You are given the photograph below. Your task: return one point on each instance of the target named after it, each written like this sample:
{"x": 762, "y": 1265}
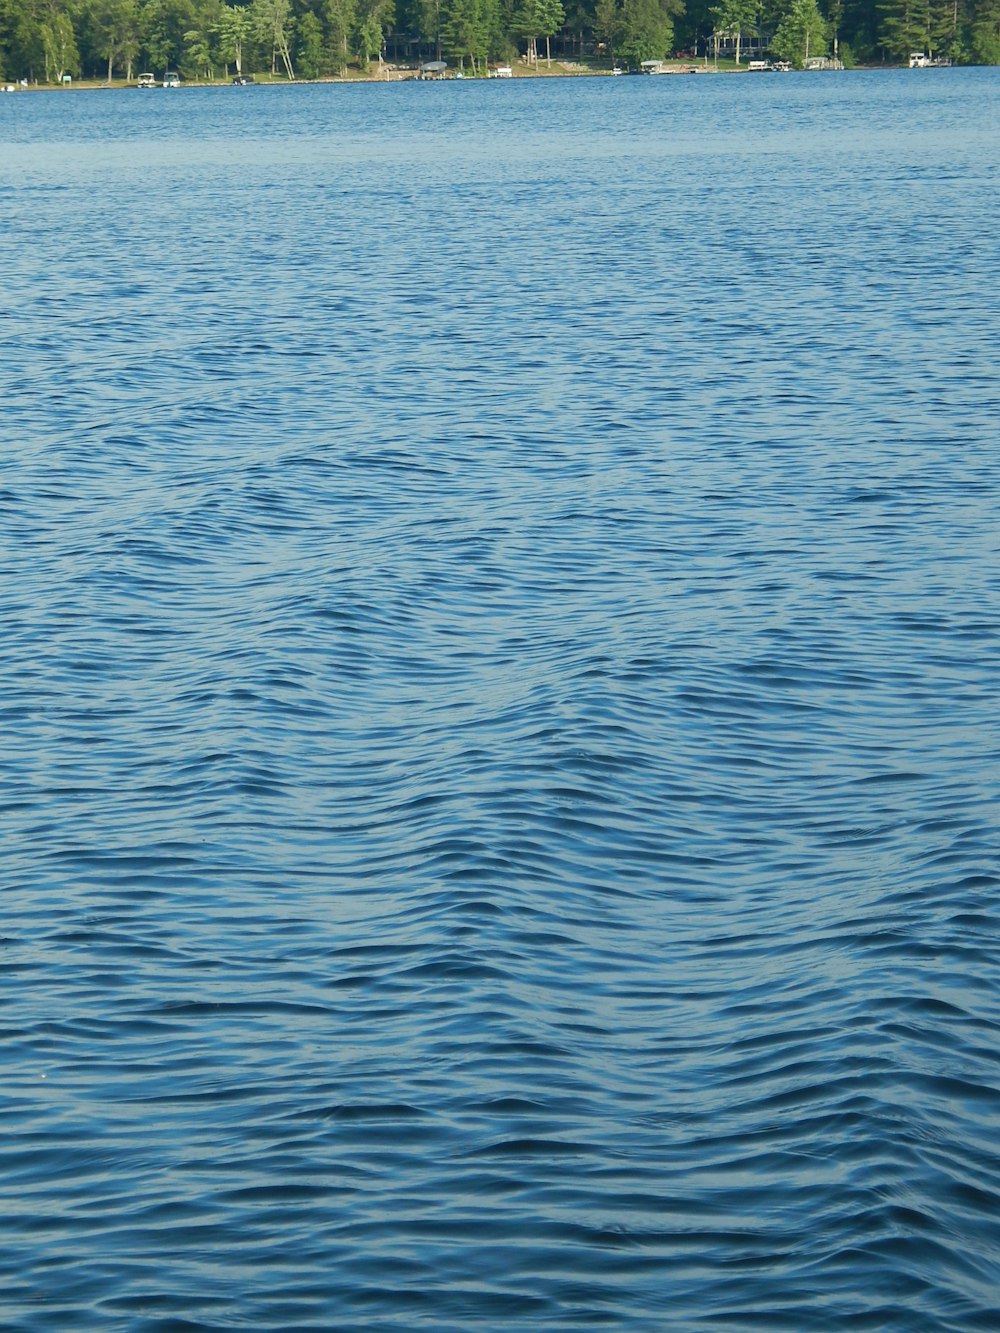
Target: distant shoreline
{"x": 389, "y": 73}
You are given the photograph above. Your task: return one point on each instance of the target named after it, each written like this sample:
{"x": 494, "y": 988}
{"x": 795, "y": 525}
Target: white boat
{"x": 920, "y": 60}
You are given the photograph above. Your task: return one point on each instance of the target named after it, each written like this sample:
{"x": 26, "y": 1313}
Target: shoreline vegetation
{"x": 116, "y": 43}
{"x": 387, "y": 72}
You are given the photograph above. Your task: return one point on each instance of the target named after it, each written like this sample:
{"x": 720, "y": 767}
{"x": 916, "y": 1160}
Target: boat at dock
{"x": 920, "y": 60}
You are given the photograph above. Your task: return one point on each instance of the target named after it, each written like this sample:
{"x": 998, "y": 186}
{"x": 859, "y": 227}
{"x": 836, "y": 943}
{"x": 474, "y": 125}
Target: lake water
{"x": 499, "y": 702}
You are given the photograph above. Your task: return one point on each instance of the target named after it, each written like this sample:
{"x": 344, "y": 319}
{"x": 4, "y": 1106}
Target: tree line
{"x": 43, "y": 41}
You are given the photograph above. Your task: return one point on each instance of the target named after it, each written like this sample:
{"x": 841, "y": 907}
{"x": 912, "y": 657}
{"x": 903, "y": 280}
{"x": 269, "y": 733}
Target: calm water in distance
{"x": 498, "y": 706}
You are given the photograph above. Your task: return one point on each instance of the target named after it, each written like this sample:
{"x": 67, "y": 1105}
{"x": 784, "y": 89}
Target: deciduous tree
{"x": 233, "y": 30}
{"x": 608, "y": 24}
{"x": 372, "y": 19}
{"x": 800, "y": 33}
{"x": 735, "y": 17}
{"x": 647, "y": 29}
{"x": 309, "y": 46}
{"x": 59, "y": 48}
{"x": 270, "y": 20}
{"x": 341, "y": 17}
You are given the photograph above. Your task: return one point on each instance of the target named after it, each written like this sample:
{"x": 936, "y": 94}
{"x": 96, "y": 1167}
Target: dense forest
{"x": 44, "y": 41}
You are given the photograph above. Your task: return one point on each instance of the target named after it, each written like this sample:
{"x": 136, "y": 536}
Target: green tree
{"x": 800, "y": 34}
{"x": 198, "y": 51}
{"x": 372, "y": 19}
{"x": 115, "y": 30}
{"x": 429, "y": 24}
{"x": 579, "y": 17}
{"x": 341, "y": 17}
{"x": 270, "y": 20}
{"x": 21, "y": 31}
{"x": 59, "y": 48}
{"x": 608, "y": 24}
{"x": 945, "y": 28}
{"x": 834, "y": 18}
{"x": 647, "y": 29}
{"x": 735, "y": 17}
{"x": 905, "y": 27}
{"x": 463, "y": 32}
{"x": 985, "y": 32}
{"x": 860, "y": 27}
{"x": 233, "y": 31}
{"x": 534, "y": 19}
{"x": 527, "y": 24}
{"x": 309, "y": 46}
{"x": 553, "y": 16}
{"x": 200, "y": 41}
{"x": 164, "y": 23}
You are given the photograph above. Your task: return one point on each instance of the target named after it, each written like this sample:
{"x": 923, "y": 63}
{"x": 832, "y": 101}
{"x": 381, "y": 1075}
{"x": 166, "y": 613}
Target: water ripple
{"x": 500, "y": 657}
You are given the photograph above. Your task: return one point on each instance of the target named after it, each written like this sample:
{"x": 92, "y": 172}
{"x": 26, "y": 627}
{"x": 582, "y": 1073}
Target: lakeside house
{"x": 751, "y": 41}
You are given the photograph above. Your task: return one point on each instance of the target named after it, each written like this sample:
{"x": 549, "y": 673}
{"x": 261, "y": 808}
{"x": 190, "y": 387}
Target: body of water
{"x": 499, "y": 674}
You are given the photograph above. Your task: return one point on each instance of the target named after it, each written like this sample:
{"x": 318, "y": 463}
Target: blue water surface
{"x": 499, "y": 706}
